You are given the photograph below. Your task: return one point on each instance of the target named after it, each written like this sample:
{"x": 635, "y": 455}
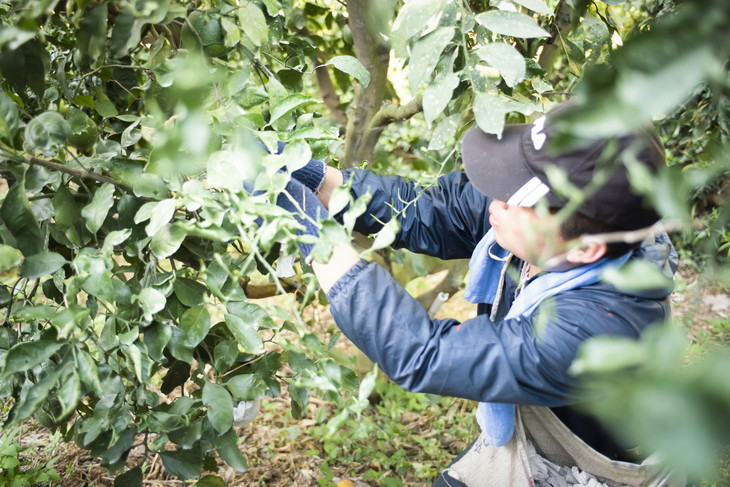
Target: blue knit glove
{"x": 312, "y": 175}
{"x": 305, "y": 208}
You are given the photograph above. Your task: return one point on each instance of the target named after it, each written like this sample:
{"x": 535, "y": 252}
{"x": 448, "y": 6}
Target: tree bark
{"x": 329, "y": 95}
{"x": 450, "y": 284}
{"x": 374, "y": 53}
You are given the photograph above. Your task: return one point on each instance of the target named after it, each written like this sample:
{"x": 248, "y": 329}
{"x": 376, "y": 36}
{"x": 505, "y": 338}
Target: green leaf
{"x": 253, "y": 23}
{"x": 131, "y": 134}
{"x": 637, "y": 275}
{"x": 66, "y": 210}
{"x": 9, "y": 118}
{"x": 296, "y": 155}
{"x": 176, "y": 375}
{"x": 168, "y": 239}
{"x": 37, "y": 394}
{"x": 228, "y": 448}
{"x": 224, "y": 355}
{"x": 46, "y": 131}
{"x": 149, "y": 185}
{"x": 367, "y": 384}
{"x": 537, "y": 6}
{"x": 68, "y": 393}
{"x": 425, "y": 56}
{"x": 9, "y": 257}
{"x": 639, "y": 95}
{"x": 18, "y": 218}
{"x": 506, "y": 59}
{"x": 151, "y": 301}
{"x": 161, "y": 215}
{"x": 13, "y": 38}
{"x": 185, "y": 464}
{"x": 386, "y": 235}
{"x": 232, "y": 32}
{"x": 125, "y": 34}
{"x": 437, "y": 97}
{"x": 352, "y": 66}
{"x": 219, "y": 406}
{"x": 134, "y": 354}
{"x": 489, "y": 111}
{"x": 156, "y": 338}
{"x": 211, "y": 481}
{"x": 41, "y": 263}
{"x": 246, "y": 387}
{"x": 25, "y": 67}
{"x": 131, "y": 478}
{"x": 228, "y": 170}
{"x": 103, "y": 105}
{"x": 87, "y": 370}
{"x": 159, "y": 53}
{"x": 606, "y": 355}
{"x": 31, "y": 313}
{"x": 195, "y": 322}
{"x": 189, "y": 292}
{"x": 289, "y": 104}
{"x": 339, "y": 199}
{"x": 91, "y": 36}
{"x": 95, "y": 212}
{"x": 595, "y": 30}
{"x": 245, "y": 334}
{"x": 444, "y": 131}
{"x": 513, "y": 24}
{"x": 101, "y": 286}
{"x": 113, "y": 453}
{"x": 412, "y": 18}
{"x": 26, "y": 355}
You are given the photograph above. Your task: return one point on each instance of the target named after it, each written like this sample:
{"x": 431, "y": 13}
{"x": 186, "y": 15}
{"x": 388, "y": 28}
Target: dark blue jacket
{"x": 503, "y": 361}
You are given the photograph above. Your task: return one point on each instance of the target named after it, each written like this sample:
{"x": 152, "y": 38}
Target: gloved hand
{"x": 306, "y": 208}
{"x": 312, "y": 175}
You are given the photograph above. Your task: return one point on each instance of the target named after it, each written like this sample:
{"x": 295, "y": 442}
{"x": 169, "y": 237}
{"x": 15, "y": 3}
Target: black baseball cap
{"x": 513, "y": 168}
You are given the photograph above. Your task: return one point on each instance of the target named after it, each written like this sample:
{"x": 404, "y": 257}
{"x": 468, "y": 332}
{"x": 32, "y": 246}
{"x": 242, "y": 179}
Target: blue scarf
{"x": 487, "y": 266}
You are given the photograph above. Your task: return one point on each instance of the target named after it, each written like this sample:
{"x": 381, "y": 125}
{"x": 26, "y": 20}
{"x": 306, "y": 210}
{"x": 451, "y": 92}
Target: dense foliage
{"x": 131, "y": 253}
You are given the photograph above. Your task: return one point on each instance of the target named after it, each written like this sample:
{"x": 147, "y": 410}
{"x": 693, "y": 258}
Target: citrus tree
{"x": 139, "y": 146}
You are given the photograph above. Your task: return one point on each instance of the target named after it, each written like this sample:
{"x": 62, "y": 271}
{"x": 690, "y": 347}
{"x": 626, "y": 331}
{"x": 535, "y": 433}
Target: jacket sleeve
{"x": 447, "y": 220}
{"x": 476, "y": 359}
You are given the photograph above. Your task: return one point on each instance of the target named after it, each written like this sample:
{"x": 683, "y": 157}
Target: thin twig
{"x": 634, "y": 236}
{"x": 10, "y": 303}
{"x": 79, "y": 173}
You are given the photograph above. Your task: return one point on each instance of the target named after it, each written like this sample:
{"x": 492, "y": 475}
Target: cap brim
{"x": 496, "y": 167}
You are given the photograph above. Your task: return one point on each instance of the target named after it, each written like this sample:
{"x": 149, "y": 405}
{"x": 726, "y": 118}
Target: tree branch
{"x": 269, "y": 289}
{"x": 392, "y": 112}
{"x": 561, "y": 26}
{"x": 79, "y": 173}
{"x": 329, "y": 95}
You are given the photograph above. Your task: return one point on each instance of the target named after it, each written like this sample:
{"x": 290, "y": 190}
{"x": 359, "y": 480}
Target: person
{"x": 535, "y": 275}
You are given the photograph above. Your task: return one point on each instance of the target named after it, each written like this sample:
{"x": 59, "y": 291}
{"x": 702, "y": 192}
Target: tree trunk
{"x": 450, "y": 284}
{"x": 374, "y": 53}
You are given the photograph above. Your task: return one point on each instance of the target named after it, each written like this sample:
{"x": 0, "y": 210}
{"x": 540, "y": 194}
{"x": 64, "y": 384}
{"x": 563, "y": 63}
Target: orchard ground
{"x": 282, "y": 451}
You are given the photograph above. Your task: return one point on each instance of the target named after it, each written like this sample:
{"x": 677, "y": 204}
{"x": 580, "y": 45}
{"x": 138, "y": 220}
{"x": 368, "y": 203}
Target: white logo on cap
{"x": 538, "y": 138}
